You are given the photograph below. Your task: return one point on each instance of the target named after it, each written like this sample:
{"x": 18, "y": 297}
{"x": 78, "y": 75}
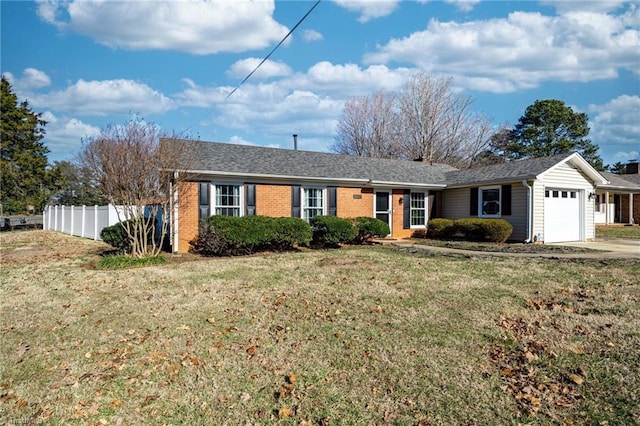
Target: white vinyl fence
{"x": 81, "y": 221}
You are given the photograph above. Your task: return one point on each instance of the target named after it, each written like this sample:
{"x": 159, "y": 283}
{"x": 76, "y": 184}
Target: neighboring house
{"x": 545, "y": 199}
{"x": 618, "y": 201}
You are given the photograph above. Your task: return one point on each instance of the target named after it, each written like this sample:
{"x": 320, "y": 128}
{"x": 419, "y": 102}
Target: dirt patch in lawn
{"x": 29, "y": 247}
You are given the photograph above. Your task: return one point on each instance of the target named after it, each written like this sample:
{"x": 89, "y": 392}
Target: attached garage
{"x": 562, "y": 216}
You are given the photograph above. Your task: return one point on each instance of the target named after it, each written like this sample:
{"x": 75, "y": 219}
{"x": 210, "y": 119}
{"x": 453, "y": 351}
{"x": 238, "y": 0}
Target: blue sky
{"x": 88, "y": 64}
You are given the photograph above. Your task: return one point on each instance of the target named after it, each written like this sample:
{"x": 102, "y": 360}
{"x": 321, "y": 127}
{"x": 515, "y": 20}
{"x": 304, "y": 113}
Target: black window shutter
{"x": 473, "y": 203}
{"x": 406, "y": 209}
{"x": 203, "y": 200}
{"x": 432, "y": 205}
{"x": 250, "y": 199}
{"x": 295, "y": 201}
{"x": 333, "y": 200}
{"x": 506, "y": 200}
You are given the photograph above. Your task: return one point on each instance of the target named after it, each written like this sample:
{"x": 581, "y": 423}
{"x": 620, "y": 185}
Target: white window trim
{"x": 426, "y": 209}
{"x": 213, "y": 199}
{"x": 303, "y": 200}
{"x": 480, "y": 201}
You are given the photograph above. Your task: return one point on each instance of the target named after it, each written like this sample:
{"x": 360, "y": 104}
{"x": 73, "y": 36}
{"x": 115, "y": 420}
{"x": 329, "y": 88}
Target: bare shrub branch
{"x": 132, "y": 164}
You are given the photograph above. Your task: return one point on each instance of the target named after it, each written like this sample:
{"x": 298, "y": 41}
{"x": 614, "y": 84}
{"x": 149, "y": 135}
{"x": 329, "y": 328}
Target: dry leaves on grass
{"x": 526, "y": 365}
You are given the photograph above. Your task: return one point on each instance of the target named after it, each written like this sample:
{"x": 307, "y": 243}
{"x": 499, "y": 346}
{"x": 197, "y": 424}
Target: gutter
{"x": 529, "y": 215}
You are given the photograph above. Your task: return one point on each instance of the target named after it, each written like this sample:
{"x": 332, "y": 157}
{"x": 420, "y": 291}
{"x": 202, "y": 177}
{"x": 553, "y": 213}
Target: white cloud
{"x": 351, "y": 79}
{"x": 463, "y": 5}
{"x": 240, "y": 69}
{"x": 31, "y": 79}
{"x": 625, "y": 156}
{"x": 105, "y": 97}
{"x": 311, "y": 35}
{"x": 199, "y": 27}
{"x": 369, "y": 9}
{"x": 617, "y": 121}
{"x": 521, "y": 51}
{"x": 64, "y": 135}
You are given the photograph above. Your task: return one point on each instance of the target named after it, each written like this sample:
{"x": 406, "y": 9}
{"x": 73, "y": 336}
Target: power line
{"x": 266, "y": 57}
{"x": 274, "y": 49}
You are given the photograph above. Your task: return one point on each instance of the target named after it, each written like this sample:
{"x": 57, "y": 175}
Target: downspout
{"x": 529, "y": 204}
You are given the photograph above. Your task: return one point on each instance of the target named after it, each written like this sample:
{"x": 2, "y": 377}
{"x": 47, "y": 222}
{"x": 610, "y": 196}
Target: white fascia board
{"x": 380, "y": 184}
{"x": 271, "y": 178}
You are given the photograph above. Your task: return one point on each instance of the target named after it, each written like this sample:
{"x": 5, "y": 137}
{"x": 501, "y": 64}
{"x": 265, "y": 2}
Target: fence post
{"x": 95, "y": 222}
{"x": 84, "y": 218}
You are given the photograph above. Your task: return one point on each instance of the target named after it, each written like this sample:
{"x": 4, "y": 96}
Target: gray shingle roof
{"x": 509, "y": 171}
{"x": 249, "y": 160}
{"x": 624, "y": 182}
{"x": 257, "y": 160}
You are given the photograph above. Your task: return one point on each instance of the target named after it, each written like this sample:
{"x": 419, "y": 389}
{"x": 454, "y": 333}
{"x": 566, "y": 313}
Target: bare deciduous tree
{"x": 132, "y": 166}
{"x": 368, "y": 127}
{"x": 427, "y": 119}
{"x": 438, "y": 123}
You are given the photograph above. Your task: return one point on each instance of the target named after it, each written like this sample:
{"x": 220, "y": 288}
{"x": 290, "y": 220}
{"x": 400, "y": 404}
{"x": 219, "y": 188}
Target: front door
{"x": 383, "y": 206}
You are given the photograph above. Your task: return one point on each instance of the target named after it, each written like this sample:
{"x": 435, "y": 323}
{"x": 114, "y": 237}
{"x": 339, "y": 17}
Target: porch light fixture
{"x": 400, "y": 200}
{"x": 592, "y": 195}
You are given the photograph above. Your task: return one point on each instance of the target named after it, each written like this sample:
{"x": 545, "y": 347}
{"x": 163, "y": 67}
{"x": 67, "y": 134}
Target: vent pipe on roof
{"x": 295, "y": 142}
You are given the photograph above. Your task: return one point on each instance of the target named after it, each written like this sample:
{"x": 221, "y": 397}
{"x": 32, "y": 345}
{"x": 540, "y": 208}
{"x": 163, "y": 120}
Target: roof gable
{"x": 532, "y": 168}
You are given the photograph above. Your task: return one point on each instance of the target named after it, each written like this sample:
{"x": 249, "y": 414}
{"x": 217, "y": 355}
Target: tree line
{"x": 427, "y": 119}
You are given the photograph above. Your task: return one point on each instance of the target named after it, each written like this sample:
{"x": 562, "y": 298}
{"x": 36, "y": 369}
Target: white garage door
{"x": 561, "y": 215}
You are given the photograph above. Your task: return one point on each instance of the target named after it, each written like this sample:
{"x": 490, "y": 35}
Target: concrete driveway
{"x": 624, "y": 247}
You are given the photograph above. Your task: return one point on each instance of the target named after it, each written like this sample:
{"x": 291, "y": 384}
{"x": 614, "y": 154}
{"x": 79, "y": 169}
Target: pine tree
{"x": 23, "y": 161}
{"x": 550, "y": 127}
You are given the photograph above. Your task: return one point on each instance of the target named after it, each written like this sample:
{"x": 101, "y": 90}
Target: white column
{"x": 606, "y": 205}
{"x": 630, "y": 208}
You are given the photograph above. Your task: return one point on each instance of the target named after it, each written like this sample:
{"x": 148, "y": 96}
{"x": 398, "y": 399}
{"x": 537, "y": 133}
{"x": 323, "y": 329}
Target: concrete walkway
{"x": 611, "y": 249}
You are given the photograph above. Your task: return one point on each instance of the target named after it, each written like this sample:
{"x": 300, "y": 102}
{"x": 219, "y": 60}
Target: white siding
{"x": 455, "y": 203}
{"x": 565, "y": 176}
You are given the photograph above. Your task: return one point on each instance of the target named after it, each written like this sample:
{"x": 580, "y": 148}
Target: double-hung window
{"x": 418, "y": 209}
{"x": 227, "y": 200}
{"x": 489, "y": 202}
{"x": 313, "y": 202}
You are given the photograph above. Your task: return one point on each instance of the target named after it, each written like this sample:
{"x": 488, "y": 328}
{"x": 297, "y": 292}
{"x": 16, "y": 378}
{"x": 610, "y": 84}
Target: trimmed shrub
{"x": 330, "y": 231}
{"x": 233, "y": 236}
{"x": 497, "y": 230}
{"x": 116, "y": 237}
{"x": 207, "y": 243}
{"x": 290, "y": 231}
{"x": 471, "y": 228}
{"x": 368, "y": 228}
{"x": 440, "y": 228}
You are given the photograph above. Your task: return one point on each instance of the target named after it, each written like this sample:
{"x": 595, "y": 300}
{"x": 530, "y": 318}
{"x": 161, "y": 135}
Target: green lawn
{"x": 618, "y": 231}
{"x": 352, "y": 336}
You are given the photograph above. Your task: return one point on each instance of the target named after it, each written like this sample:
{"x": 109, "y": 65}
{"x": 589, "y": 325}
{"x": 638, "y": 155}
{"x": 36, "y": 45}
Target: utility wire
{"x": 266, "y": 57}
{"x": 274, "y": 49}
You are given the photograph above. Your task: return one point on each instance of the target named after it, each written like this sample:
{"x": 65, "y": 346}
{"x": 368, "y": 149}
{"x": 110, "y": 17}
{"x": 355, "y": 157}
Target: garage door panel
{"x": 561, "y": 215}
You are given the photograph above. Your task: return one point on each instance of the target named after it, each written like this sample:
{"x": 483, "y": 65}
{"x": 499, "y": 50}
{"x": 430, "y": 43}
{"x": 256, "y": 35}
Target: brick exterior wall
{"x": 273, "y": 200}
{"x": 188, "y": 219}
{"x": 397, "y": 217}
{"x": 354, "y": 202}
{"x": 624, "y": 208}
